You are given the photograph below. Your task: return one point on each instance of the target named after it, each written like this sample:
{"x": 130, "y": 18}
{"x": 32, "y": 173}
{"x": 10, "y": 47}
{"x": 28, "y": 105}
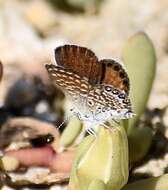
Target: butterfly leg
{"x": 65, "y": 120}
{"x": 90, "y": 131}
{"x": 115, "y": 121}
{"x": 106, "y": 126}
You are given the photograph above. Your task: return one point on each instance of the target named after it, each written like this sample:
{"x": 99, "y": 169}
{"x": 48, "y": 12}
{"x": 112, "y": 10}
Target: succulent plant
{"x": 100, "y": 161}
{"x": 140, "y": 60}
{"x": 71, "y": 132}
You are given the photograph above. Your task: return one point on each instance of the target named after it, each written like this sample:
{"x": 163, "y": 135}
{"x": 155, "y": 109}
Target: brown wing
{"x": 79, "y": 60}
{"x": 114, "y": 74}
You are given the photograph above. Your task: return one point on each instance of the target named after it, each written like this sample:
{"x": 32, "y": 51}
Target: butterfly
{"x": 97, "y": 89}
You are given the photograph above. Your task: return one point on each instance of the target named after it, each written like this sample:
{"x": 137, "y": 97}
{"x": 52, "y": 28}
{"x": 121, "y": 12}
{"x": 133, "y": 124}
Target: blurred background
{"x": 30, "y": 30}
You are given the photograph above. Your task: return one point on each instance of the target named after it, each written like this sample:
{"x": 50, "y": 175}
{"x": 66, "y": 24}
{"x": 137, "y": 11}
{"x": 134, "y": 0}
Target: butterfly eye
{"x": 108, "y": 88}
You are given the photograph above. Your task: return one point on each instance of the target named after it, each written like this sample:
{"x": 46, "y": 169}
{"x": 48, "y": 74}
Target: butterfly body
{"x": 97, "y": 90}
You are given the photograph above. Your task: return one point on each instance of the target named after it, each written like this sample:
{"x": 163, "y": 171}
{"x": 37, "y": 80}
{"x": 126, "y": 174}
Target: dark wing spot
{"x": 126, "y": 101}
{"x": 122, "y": 96}
{"x": 122, "y": 75}
{"x": 116, "y": 67}
{"x": 125, "y": 82}
{"x": 115, "y": 91}
{"x": 90, "y": 102}
{"x": 108, "y": 88}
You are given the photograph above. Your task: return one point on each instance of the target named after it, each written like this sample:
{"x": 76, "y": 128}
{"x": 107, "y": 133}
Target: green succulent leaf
{"x": 103, "y": 158}
{"x": 71, "y": 132}
{"x": 140, "y": 60}
{"x": 97, "y": 185}
{"x": 82, "y": 149}
{"x": 139, "y": 141}
{"x": 154, "y": 183}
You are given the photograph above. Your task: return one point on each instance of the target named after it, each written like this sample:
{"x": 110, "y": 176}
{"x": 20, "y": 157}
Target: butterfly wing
{"x": 114, "y": 75}
{"x": 96, "y": 87}
{"x": 74, "y": 87}
{"x": 110, "y": 102}
{"x": 79, "y": 60}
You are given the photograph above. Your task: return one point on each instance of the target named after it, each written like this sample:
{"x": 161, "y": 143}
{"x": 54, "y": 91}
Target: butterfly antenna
{"x": 90, "y": 131}
{"x": 64, "y": 121}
